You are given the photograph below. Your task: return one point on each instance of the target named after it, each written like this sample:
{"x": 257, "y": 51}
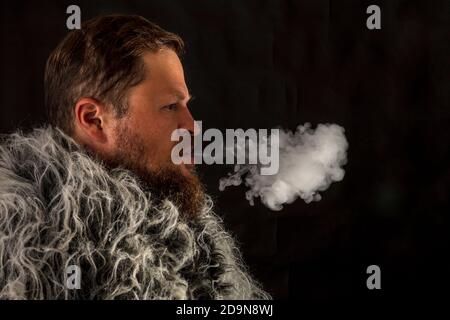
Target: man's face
{"x": 157, "y": 107}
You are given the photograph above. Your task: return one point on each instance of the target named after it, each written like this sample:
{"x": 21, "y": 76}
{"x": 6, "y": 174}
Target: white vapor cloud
{"x": 309, "y": 161}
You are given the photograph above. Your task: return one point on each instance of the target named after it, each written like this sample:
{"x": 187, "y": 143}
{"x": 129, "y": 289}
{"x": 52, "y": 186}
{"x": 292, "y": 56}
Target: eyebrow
{"x": 181, "y": 96}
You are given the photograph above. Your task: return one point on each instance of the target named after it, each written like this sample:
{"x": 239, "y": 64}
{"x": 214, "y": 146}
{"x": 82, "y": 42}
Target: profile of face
{"x": 141, "y": 139}
{"x": 156, "y": 107}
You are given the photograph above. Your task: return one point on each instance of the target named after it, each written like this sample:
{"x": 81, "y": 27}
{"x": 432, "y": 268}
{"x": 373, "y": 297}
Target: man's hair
{"x": 102, "y": 60}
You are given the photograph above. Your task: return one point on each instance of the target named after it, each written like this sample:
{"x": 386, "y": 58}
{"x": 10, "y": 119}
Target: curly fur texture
{"x": 60, "y": 207}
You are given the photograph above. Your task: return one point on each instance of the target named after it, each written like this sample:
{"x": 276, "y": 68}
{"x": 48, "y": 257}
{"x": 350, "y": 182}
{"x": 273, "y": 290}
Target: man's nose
{"x": 187, "y": 121}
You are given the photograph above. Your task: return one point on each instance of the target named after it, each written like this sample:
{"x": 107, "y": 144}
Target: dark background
{"x": 266, "y": 63}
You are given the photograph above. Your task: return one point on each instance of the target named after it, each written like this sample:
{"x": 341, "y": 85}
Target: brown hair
{"x": 102, "y": 60}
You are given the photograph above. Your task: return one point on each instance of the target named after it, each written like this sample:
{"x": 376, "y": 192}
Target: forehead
{"x": 164, "y": 73}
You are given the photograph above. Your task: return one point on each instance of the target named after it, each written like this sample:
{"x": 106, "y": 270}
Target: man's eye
{"x": 172, "y": 106}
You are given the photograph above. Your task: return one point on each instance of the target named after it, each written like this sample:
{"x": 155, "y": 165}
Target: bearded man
{"x": 96, "y": 188}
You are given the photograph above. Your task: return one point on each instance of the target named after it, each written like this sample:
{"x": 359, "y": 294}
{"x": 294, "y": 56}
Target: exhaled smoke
{"x": 309, "y": 161}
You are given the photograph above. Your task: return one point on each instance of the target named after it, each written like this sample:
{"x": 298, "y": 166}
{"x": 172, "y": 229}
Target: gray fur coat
{"x": 59, "y": 207}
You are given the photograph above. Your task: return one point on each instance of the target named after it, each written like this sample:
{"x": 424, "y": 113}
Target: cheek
{"x": 155, "y": 130}
{"x": 158, "y": 141}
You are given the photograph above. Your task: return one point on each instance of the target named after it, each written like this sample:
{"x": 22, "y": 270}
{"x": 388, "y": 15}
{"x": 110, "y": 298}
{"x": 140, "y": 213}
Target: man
{"x": 96, "y": 191}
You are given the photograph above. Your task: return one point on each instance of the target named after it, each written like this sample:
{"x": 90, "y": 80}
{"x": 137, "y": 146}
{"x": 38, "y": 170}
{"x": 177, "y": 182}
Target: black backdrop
{"x": 266, "y": 63}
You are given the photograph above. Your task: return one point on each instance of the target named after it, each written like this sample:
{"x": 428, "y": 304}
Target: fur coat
{"x": 59, "y": 207}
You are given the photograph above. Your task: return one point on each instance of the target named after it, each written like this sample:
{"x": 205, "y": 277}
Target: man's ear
{"x": 90, "y": 120}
